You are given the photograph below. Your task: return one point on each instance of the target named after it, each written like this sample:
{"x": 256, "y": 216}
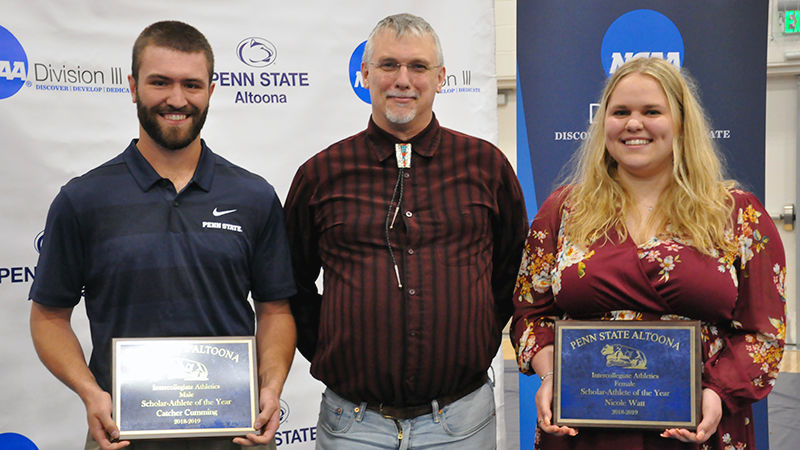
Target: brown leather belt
{"x": 409, "y": 412}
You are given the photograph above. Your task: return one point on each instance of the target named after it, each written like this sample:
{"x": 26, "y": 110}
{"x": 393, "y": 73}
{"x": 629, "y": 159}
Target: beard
{"x": 402, "y": 115}
{"x": 400, "y": 118}
{"x": 171, "y": 138}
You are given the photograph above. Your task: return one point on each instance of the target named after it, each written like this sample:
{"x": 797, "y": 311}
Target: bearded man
{"x": 138, "y": 237}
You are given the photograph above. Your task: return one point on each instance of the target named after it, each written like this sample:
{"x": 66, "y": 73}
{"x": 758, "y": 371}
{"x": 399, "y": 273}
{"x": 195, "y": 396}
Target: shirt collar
{"x": 382, "y": 142}
{"x": 146, "y": 177}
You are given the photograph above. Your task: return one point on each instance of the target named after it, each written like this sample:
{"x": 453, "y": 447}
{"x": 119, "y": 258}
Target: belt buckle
{"x": 385, "y": 415}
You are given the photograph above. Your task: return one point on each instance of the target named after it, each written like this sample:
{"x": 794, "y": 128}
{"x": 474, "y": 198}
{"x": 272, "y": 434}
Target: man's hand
{"x": 101, "y": 426}
{"x": 275, "y": 339}
{"x": 60, "y": 351}
{"x": 712, "y": 414}
{"x": 267, "y": 421}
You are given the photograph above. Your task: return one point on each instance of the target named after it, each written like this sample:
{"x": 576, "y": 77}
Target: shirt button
{"x": 412, "y": 291}
{"x": 406, "y": 175}
{"x": 411, "y": 251}
{"x": 176, "y": 203}
{"x": 409, "y": 214}
{"x": 412, "y": 333}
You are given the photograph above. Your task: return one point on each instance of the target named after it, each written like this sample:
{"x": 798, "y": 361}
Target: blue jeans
{"x": 467, "y": 423}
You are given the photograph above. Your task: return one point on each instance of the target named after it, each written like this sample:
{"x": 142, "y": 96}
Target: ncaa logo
{"x": 13, "y": 64}
{"x": 37, "y": 242}
{"x": 641, "y": 33}
{"x": 256, "y": 52}
{"x": 16, "y": 441}
{"x": 356, "y": 80}
{"x": 284, "y": 411}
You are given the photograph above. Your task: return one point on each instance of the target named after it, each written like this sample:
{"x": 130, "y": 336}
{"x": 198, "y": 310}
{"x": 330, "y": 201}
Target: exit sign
{"x": 791, "y": 22}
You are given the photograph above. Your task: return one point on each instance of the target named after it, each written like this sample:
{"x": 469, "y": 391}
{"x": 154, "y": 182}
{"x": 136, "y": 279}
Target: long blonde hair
{"x": 697, "y": 205}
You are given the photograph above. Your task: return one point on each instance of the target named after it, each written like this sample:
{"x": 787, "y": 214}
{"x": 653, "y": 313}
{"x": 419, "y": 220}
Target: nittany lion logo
{"x": 256, "y": 52}
{"x": 187, "y": 370}
{"x": 623, "y": 356}
{"x": 284, "y": 411}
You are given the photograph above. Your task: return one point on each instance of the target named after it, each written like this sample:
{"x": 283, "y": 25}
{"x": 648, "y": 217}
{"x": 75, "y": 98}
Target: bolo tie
{"x": 402, "y": 153}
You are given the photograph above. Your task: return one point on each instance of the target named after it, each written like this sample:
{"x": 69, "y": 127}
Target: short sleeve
{"x": 60, "y": 270}
{"x": 272, "y": 266}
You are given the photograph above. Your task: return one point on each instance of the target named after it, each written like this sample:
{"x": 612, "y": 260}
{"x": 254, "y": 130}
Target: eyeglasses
{"x": 394, "y": 67}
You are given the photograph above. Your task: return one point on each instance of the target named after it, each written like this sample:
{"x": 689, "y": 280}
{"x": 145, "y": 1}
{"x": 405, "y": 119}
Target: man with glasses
{"x": 419, "y": 230}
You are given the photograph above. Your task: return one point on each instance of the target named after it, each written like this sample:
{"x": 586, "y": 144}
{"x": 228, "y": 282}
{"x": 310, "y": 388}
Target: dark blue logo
{"x": 37, "y": 242}
{"x": 641, "y": 33}
{"x": 256, "y": 52}
{"x": 356, "y": 80}
{"x": 14, "y": 441}
{"x": 13, "y": 64}
{"x": 284, "y": 411}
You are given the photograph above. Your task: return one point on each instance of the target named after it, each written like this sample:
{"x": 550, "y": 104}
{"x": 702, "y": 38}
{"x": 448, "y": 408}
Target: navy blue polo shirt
{"x": 154, "y": 262}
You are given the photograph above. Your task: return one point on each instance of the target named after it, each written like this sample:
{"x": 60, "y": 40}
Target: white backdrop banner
{"x": 287, "y": 86}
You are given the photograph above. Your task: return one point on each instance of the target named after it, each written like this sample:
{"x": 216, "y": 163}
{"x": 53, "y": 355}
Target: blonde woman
{"x": 647, "y": 228}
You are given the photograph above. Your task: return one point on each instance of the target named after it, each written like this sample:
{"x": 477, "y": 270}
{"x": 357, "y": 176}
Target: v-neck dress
{"x": 738, "y": 297}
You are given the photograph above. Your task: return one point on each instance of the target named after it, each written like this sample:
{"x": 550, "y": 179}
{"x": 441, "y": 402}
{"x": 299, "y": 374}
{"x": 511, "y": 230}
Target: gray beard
{"x": 399, "y": 119}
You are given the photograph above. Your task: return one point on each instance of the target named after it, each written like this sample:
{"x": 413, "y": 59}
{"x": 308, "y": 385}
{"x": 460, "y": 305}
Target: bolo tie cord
{"x": 391, "y": 216}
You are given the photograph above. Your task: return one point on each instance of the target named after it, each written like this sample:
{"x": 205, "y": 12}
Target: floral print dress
{"x": 738, "y": 297}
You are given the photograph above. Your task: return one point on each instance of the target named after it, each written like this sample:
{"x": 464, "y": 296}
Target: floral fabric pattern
{"x": 739, "y": 297}
{"x": 536, "y": 265}
{"x": 652, "y": 250}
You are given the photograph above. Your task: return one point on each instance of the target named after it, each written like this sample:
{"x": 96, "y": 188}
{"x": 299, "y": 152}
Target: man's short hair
{"x": 174, "y": 35}
{"x": 402, "y": 25}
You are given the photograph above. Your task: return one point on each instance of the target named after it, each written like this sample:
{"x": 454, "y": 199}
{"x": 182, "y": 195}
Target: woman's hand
{"x": 712, "y": 414}
{"x": 544, "y": 414}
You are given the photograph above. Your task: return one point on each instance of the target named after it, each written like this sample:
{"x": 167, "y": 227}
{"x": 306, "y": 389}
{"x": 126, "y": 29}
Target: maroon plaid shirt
{"x": 457, "y": 241}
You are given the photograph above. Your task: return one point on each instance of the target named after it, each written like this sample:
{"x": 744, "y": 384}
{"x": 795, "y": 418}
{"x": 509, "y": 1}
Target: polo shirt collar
{"x": 382, "y": 142}
{"x": 146, "y": 176}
